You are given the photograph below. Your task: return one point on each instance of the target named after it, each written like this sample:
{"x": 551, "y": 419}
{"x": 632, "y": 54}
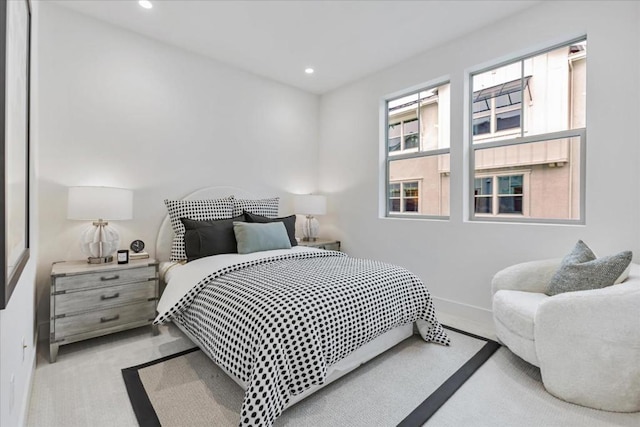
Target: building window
{"x": 417, "y": 153}
{"x": 498, "y": 108}
{"x": 530, "y": 113}
{"x": 404, "y": 135}
{"x": 499, "y": 195}
{"x": 404, "y": 197}
{"x": 510, "y": 194}
{"x": 484, "y": 195}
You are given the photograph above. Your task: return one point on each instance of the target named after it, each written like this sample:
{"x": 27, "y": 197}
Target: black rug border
{"x": 439, "y": 397}
{"x": 142, "y": 407}
{"x": 469, "y": 334}
{"x": 147, "y": 417}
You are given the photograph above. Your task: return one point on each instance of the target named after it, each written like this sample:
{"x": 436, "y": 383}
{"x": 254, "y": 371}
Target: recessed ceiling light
{"x": 309, "y": 70}
{"x": 145, "y": 3}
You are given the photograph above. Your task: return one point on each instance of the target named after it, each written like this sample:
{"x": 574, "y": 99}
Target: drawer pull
{"x": 114, "y": 277}
{"x": 109, "y": 319}
{"x": 104, "y": 297}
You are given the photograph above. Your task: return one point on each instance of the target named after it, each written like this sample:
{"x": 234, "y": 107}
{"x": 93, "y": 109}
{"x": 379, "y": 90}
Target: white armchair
{"x": 586, "y": 343}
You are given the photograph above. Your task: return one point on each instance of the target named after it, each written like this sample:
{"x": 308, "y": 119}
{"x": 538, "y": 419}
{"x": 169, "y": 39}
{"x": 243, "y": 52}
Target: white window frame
{"x": 407, "y": 154}
{"x": 581, "y": 133}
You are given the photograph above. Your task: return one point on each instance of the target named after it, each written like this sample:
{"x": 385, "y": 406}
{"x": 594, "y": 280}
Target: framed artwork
{"x": 15, "y": 42}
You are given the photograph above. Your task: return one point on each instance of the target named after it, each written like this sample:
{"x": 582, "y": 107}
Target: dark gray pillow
{"x": 289, "y": 224}
{"x": 210, "y": 237}
{"x": 580, "y": 270}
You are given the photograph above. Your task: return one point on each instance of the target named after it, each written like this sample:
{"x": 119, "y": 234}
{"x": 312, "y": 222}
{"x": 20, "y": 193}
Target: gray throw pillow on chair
{"x": 580, "y": 270}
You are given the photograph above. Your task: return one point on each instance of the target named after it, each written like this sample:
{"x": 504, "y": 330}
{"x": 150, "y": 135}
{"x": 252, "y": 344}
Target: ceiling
{"x": 342, "y": 40}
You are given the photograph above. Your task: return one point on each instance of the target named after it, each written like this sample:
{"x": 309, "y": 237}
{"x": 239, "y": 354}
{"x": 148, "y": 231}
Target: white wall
{"x": 123, "y": 110}
{"x": 457, "y": 258}
{"x": 17, "y": 320}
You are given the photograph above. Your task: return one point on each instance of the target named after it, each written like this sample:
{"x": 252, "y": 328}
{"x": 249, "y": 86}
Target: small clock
{"x": 137, "y": 246}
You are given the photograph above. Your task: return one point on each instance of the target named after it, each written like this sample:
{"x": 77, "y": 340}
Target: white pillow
{"x": 264, "y": 207}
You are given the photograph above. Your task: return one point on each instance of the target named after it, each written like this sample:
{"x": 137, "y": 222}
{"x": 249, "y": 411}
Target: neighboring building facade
{"x": 539, "y": 96}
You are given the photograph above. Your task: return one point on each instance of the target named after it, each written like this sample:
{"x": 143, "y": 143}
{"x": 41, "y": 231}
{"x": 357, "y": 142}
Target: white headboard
{"x": 165, "y": 234}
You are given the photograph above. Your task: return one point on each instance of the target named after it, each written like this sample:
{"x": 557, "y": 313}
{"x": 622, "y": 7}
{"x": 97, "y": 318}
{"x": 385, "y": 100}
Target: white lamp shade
{"x": 309, "y": 204}
{"x": 91, "y": 203}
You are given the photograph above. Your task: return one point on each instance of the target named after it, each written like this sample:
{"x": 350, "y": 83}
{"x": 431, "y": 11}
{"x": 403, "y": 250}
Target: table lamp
{"x": 99, "y": 241}
{"x": 309, "y": 205}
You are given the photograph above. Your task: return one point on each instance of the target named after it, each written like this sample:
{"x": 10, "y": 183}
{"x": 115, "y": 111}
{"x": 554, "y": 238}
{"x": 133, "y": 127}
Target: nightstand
{"x": 90, "y": 300}
{"x": 333, "y": 245}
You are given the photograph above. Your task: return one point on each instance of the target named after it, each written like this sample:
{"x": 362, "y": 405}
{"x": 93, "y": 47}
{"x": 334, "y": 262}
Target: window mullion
{"x": 496, "y": 195}
{"x": 522, "y": 98}
{"x": 571, "y": 133}
{"x": 493, "y": 123}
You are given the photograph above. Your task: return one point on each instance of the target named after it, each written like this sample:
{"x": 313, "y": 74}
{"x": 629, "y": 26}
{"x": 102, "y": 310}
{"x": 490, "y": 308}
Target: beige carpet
{"x": 191, "y": 390}
{"x": 507, "y": 391}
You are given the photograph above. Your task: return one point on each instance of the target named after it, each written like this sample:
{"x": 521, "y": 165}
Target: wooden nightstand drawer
{"x": 90, "y": 300}
{"x": 103, "y": 319}
{"x": 105, "y": 278}
{"x": 99, "y": 298}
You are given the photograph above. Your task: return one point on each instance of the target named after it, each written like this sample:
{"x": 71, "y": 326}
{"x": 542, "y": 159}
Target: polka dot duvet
{"x": 277, "y": 321}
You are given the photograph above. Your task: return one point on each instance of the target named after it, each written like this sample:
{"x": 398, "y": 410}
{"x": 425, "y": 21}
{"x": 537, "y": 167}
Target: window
{"x": 495, "y": 195}
{"x": 404, "y": 135}
{"x": 484, "y": 195}
{"x": 510, "y": 194}
{"x": 404, "y": 197}
{"x": 529, "y": 114}
{"x": 498, "y": 108}
{"x": 417, "y": 153}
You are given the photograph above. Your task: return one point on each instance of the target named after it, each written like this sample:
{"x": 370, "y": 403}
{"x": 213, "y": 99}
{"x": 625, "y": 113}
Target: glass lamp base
{"x": 99, "y": 242}
{"x": 310, "y": 229}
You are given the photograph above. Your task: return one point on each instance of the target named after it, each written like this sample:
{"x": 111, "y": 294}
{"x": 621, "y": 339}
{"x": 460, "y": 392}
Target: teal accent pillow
{"x": 256, "y": 237}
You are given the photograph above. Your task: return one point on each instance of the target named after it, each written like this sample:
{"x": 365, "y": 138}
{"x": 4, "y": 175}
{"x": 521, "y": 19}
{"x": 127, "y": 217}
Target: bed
{"x": 283, "y": 323}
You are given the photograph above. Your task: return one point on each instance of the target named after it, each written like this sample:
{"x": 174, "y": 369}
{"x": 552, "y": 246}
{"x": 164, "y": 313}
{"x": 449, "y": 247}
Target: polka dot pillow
{"x": 264, "y": 207}
{"x": 196, "y": 210}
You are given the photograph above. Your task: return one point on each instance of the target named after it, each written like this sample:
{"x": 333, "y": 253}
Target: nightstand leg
{"x": 53, "y": 352}
{"x": 155, "y": 330}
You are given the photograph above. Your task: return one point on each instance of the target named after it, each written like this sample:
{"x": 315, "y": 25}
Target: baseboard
{"x": 470, "y": 318}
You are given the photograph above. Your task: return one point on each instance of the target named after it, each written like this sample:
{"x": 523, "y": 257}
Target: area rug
{"x": 507, "y": 391}
{"x": 404, "y": 386}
